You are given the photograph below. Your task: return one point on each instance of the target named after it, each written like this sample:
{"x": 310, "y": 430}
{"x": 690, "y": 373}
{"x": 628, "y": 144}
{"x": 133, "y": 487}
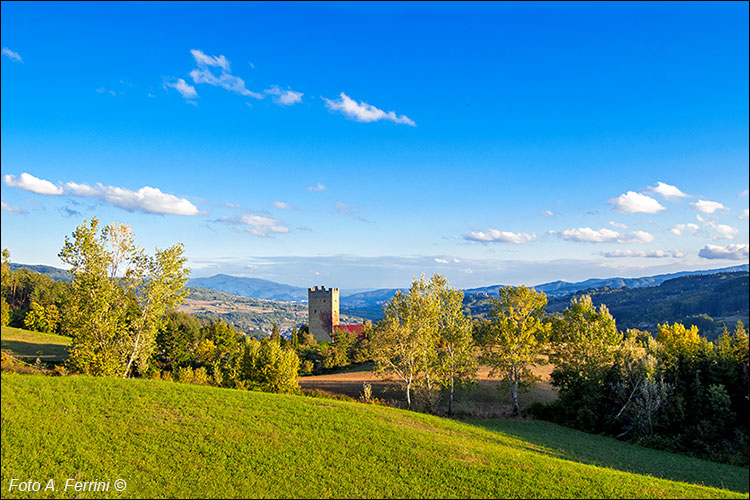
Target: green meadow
{"x": 28, "y": 345}
{"x": 174, "y": 440}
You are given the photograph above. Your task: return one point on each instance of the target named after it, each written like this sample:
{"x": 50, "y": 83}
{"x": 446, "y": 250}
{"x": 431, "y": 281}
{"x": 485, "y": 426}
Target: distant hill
{"x": 259, "y": 288}
{"x": 53, "y": 272}
{"x": 708, "y": 301}
{"x": 563, "y": 288}
{"x": 368, "y": 305}
{"x": 356, "y": 298}
{"x": 251, "y": 287}
{"x": 248, "y": 314}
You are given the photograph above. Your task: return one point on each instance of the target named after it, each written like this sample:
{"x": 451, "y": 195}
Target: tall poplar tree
{"x": 455, "y": 361}
{"x": 408, "y": 328}
{"x": 515, "y": 337}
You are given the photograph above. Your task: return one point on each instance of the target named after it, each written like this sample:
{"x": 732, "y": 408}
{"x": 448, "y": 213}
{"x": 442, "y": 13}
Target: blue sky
{"x": 358, "y": 145}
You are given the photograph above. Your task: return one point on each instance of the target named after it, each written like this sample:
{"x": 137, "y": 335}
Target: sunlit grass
{"x": 28, "y": 345}
{"x": 174, "y": 440}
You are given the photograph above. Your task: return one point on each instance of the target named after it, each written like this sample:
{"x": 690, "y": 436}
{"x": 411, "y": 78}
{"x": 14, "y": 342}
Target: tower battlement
{"x": 321, "y": 289}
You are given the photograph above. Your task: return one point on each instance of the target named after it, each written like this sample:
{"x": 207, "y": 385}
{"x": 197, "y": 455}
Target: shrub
{"x": 269, "y": 367}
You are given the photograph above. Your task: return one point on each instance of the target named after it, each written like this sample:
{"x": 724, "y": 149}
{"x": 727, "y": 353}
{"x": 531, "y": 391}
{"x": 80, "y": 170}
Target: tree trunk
{"x": 514, "y": 392}
{"x": 450, "y": 401}
{"x": 408, "y": 394}
{"x": 132, "y": 356}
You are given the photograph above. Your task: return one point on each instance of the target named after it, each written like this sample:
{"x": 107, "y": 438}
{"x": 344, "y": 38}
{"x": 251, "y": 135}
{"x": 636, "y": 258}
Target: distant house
{"x": 358, "y": 329}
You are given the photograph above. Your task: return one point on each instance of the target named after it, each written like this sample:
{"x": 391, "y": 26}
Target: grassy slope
{"x": 29, "y": 345}
{"x": 174, "y": 440}
{"x": 603, "y": 451}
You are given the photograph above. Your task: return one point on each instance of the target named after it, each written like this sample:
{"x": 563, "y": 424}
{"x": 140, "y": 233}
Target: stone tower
{"x": 322, "y": 311}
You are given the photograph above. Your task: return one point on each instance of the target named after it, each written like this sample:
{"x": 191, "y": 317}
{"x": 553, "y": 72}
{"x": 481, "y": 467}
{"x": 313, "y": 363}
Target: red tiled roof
{"x": 350, "y": 328}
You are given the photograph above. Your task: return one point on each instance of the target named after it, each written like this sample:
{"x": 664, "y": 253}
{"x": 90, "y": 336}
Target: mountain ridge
{"x": 266, "y": 289}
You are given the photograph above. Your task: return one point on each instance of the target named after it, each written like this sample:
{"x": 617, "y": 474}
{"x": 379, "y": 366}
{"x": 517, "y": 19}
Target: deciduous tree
{"x": 118, "y": 297}
{"x": 401, "y": 342}
{"x": 515, "y": 337}
{"x": 455, "y": 361}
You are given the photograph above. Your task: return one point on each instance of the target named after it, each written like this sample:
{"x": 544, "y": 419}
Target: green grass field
{"x": 172, "y": 440}
{"x": 27, "y": 345}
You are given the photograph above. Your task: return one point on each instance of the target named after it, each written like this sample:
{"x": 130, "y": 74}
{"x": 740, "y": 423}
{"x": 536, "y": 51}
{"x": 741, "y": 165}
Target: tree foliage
{"x": 677, "y": 392}
{"x": 424, "y": 337}
{"x": 269, "y": 367}
{"x": 515, "y": 337}
{"x": 455, "y": 362}
{"x": 118, "y": 298}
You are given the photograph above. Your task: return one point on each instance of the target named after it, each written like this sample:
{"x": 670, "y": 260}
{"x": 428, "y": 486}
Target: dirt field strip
{"x": 483, "y": 399}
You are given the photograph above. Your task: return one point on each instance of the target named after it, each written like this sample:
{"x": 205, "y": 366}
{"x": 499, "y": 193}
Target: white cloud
{"x": 586, "y": 234}
{"x": 363, "y": 112}
{"x": 319, "y": 187}
{"x": 80, "y": 189}
{"x": 441, "y": 261}
{"x": 282, "y": 205}
{"x": 12, "y": 209}
{"x": 456, "y": 261}
{"x": 185, "y": 89}
{"x": 202, "y": 59}
{"x": 651, "y": 254}
{"x": 632, "y": 202}
{"x": 28, "y": 182}
{"x": 603, "y": 235}
{"x": 683, "y": 228}
{"x": 640, "y": 237}
{"x": 146, "y": 199}
{"x": 708, "y": 207}
{"x": 258, "y": 225}
{"x": 284, "y": 97}
{"x": 744, "y": 193}
{"x": 730, "y": 252}
{"x": 548, "y": 213}
{"x": 745, "y": 214}
{"x": 726, "y": 232}
{"x": 15, "y": 56}
{"x": 225, "y": 80}
{"x": 496, "y": 236}
{"x": 668, "y": 191}
{"x": 618, "y": 224}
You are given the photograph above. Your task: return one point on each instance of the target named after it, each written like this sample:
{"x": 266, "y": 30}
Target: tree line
{"x": 677, "y": 391}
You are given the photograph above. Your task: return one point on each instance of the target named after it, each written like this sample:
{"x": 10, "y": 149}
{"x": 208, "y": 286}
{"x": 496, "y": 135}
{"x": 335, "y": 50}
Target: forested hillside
{"x": 251, "y": 287}
{"x": 706, "y": 301}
